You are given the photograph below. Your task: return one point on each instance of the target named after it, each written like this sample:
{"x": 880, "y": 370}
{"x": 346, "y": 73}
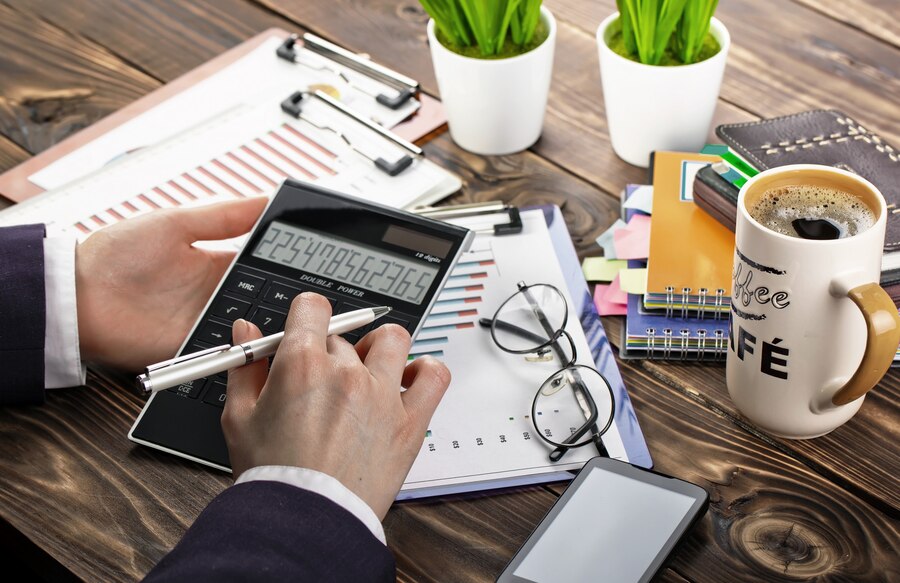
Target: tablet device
{"x": 615, "y": 522}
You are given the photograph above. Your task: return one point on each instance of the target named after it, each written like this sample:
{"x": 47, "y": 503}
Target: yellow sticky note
{"x": 633, "y": 281}
{"x": 602, "y": 269}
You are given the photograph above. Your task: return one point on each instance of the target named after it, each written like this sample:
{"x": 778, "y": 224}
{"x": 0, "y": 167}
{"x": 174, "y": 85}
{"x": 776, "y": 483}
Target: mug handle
{"x": 883, "y": 327}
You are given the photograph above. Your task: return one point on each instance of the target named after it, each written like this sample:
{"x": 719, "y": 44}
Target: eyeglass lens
{"x": 559, "y": 407}
{"x": 519, "y": 329}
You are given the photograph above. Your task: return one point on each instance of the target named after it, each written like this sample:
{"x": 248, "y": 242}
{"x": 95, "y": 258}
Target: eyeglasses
{"x": 565, "y": 415}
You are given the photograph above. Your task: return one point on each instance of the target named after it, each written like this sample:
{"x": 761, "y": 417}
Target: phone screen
{"x": 611, "y": 529}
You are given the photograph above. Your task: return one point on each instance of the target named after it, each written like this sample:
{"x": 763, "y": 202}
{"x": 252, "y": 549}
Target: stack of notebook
{"x": 684, "y": 313}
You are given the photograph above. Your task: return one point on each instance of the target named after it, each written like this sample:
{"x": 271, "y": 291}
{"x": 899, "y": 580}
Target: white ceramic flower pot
{"x": 659, "y": 108}
{"x": 495, "y": 106}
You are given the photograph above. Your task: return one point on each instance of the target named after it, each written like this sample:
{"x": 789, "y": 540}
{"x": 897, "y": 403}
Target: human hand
{"x": 332, "y": 407}
{"x": 140, "y": 284}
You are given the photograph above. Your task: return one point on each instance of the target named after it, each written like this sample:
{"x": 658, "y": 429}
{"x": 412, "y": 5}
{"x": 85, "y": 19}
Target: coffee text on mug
{"x": 745, "y": 293}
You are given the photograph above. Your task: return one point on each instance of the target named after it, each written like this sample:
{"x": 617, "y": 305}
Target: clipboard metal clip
{"x": 513, "y": 226}
{"x": 293, "y": 106}
{"x": 406, "y": 88}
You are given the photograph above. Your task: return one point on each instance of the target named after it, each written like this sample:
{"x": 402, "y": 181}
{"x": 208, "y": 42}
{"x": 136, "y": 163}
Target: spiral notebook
{"x": 680, "y": 335}
{"x": 691, "y": 254}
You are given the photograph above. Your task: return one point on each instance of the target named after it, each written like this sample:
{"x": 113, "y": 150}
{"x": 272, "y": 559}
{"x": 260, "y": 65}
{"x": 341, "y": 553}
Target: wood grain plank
{"x": 53, "y": 83}
{"x": 876, "y": 17}
{"x": 786, "y": 58}
{"x": 164, "y": 38}
{"x": 845, "y": 455}
{"x": 575, "y": 136}
{"x": 102, "y": 507}
{"x": 771, "y": 518}
{"x": 11, "y": 154}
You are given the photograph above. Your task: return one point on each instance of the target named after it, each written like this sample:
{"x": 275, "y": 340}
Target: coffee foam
{"x": 778, "y": 207}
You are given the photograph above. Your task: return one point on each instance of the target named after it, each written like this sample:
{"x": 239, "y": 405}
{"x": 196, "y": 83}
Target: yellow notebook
{"x": 691, "y": 254}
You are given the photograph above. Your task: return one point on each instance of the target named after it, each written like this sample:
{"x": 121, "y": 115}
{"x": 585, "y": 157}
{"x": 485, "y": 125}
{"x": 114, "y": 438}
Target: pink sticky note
{"x": 605, "y": 307}
{"x": 633, "y": 242}
{"x": 615, "y": 294}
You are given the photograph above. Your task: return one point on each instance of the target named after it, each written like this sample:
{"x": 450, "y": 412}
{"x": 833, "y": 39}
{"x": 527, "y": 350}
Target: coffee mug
{"x": 811, "y": 331}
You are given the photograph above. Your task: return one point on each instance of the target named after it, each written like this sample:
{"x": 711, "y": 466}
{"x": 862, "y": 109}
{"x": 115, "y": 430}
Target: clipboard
{"x": 16, "y": 185}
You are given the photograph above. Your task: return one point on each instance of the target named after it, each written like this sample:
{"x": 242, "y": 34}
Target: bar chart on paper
{"x": 482, "y": 435}
{"x": 247, "y": 151}
{"x": 457, "y": 309}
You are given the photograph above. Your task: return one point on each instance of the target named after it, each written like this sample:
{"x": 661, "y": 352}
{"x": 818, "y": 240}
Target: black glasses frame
{"x": 552, "y": 343}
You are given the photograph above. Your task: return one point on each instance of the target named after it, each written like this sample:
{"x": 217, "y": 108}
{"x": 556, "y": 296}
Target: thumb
{"x": 426, "y": 380}
{"x": 245, "y": 382}
{"x": 214, "y": 222}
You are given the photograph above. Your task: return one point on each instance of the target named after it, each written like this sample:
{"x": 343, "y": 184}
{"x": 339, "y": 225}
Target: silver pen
{"x": 183, "y": 369}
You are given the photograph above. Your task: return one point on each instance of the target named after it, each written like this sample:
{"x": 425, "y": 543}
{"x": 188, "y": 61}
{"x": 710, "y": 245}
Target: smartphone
{"x": 615, "y": 522}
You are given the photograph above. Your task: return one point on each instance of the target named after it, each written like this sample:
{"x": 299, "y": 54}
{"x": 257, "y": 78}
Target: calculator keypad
{"x": 263, "y": 299}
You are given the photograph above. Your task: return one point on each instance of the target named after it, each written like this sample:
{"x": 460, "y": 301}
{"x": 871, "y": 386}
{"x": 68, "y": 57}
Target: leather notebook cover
{"x": 716, "y": 196}
{"x": 826, "y": 137}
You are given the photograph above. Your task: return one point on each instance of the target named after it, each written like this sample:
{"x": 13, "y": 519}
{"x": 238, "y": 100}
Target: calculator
{"x": 356, "y": 253}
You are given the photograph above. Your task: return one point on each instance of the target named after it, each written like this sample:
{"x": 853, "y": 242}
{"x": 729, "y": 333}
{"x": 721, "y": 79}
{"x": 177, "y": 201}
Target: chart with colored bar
{"x": 247, "y": 151}
{"x": 481, "y": 436}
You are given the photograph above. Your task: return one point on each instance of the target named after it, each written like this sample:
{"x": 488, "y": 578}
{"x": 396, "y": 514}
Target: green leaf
{"x": 485, "y": 23}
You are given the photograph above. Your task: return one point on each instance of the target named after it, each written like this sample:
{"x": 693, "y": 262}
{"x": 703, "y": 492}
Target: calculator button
{"x": 392, "y": 320}
{"x": 189, "y": 389}
{"x": 244, "y": 284}
{"x": 268, "y": 320}
{"x": 214, "y": 333}
{"x": 281, "y": 295}
{"x": 230, "y": 309}
{"x": 216, "y": 394}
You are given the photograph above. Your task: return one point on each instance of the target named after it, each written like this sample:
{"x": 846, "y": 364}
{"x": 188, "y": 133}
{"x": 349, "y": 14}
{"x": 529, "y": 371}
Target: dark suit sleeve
{"x": 22, "y": 315}
{"x": 271, "y": 531}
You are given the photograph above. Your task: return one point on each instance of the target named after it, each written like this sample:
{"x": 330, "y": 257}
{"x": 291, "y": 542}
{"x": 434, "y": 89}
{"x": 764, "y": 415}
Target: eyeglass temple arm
{"x": 589, "y": 409}
{"x": 512, "y": 329}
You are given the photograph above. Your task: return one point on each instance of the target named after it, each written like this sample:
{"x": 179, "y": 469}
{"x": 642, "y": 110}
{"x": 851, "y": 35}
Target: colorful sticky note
{"x": 641, "y": 199}
{"x": 633, "y": 281}
{"x": 633, "y": 242}
{"x": 601, "y": 268}
{"x": 614, "y": 293}
{"x": 606, "y": 239}
{"x": 606, "y": 307}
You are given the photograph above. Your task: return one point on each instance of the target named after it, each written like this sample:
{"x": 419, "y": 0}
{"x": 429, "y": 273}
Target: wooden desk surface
{"x": 76, "y": 498}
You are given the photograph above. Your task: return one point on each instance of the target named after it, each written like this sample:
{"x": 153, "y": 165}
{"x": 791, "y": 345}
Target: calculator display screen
{"x": 353, "y": 264}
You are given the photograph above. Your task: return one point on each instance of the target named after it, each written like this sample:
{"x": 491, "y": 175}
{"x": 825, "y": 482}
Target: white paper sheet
{"x": 481, "y": 435}
{"x": 245, "y": 151}
{"x": 259, "y": 76}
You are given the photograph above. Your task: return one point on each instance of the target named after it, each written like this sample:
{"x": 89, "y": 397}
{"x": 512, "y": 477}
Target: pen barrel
{"x": 254, "y": 350}
{"x": 203, "y": 366}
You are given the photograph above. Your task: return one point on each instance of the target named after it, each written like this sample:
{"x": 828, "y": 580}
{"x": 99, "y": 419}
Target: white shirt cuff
{"x": 321, "y": 484}
{"x": 62, "y": 358}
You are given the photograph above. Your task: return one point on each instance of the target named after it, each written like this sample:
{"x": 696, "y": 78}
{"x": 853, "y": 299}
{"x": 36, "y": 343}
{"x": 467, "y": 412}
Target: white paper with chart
{"x": 246, "y": 151}
{"x": 481, "y": 435}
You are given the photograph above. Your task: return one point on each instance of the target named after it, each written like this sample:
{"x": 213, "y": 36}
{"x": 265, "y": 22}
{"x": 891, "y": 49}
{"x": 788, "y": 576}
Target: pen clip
{"x": 186, "y": 357}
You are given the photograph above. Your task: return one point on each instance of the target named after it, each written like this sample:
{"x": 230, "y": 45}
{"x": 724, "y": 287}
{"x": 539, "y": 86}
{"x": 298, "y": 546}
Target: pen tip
{"x": 381, "y": 311}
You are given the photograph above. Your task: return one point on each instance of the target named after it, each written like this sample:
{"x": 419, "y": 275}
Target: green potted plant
{"x": 493, "y": 60}
{"x": 661, "y": 67}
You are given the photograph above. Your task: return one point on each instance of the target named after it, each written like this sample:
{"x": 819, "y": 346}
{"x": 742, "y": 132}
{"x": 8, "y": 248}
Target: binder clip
{"x": 513, "y": 226}
{"x": 293, "y": 106}
{"x": 406, "y": 88}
